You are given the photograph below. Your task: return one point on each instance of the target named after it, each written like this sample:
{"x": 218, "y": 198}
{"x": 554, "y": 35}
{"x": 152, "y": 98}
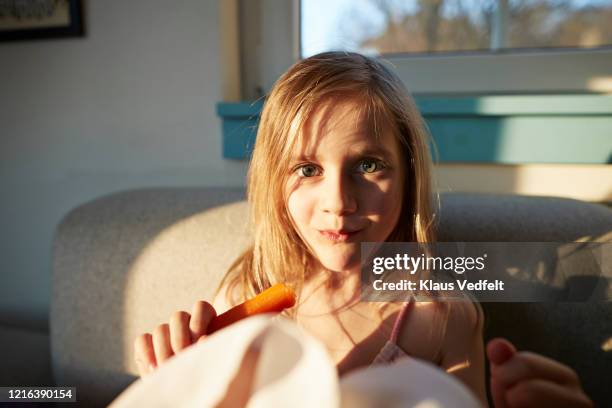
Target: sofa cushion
{"x": 122, "y": 264}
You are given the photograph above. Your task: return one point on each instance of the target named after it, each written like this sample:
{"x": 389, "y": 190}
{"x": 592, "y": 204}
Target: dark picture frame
{"x": 40, "y": 19}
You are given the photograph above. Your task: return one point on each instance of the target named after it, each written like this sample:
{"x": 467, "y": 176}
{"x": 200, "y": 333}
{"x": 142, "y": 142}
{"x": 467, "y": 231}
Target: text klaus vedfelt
{"x": 412, "y": 264}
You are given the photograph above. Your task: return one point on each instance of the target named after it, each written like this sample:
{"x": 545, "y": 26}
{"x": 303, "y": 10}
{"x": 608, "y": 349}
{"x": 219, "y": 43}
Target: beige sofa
{"x": 123, "y": 263}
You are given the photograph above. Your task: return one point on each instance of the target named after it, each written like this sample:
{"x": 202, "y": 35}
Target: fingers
{"x": 201, "y": 316}
{"x": 498, "y": 394}
{"x": 500, "y": 350}
{"x": 542, "y": 393}
{"x": 168, "y": 339}
{"x": 144, "y": 354}
{"x": 161, "y": 343}
{"x": 180, "y": 336}
{"x": 525, "y": 379}
{"x": 525, "y": 365}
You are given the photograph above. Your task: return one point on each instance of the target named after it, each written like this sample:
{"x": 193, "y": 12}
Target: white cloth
{"x": 292, "y": 369}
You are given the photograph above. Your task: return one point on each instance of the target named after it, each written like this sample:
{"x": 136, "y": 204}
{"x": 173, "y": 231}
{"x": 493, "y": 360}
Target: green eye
{"x": 370, "y": 165}
{"x": 307, "y": 170}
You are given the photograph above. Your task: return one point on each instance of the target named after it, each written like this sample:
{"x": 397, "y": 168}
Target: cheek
{"x": 299, "y": 207}
{"x": 383, "y": 199}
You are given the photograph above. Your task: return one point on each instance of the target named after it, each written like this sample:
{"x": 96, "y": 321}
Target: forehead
{"x": 347, "y": 123}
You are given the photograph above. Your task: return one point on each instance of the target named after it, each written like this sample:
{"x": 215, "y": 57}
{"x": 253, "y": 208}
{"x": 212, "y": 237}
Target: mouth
{"x": 338, "y": 236}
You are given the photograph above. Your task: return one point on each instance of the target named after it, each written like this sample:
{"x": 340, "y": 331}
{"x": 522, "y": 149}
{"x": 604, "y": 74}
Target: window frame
{"x": 526, "y": 70}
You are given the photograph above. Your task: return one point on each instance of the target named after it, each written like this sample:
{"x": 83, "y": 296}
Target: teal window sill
{"x": 481, "y": 129}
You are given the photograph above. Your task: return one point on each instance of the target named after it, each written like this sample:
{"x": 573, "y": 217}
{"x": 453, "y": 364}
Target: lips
{"x": 338, "y": 235}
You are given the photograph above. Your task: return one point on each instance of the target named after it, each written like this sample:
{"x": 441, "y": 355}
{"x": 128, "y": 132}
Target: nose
{"x": 338, "y": 195}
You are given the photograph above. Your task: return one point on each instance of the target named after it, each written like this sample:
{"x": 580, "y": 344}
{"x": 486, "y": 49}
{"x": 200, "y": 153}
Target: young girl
{"x": 342, "y": 157}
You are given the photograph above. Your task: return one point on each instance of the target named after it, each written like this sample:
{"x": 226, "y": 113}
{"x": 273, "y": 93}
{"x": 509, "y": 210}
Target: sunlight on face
{"x": 345, "y": 185}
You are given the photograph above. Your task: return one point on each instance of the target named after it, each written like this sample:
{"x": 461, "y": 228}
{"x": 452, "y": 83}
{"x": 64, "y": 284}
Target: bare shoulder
{"x": 448, "y": 334}
{"x": 421, "y": 333}
{"x": 463, "y": 348}
{"x": 466, "y": 317}
{"x": 433, "y": 327}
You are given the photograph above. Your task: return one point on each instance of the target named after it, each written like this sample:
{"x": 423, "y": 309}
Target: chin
{"x": 339, "y": 263}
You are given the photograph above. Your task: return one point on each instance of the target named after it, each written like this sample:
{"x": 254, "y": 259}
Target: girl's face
{"x": 345, "y": 186}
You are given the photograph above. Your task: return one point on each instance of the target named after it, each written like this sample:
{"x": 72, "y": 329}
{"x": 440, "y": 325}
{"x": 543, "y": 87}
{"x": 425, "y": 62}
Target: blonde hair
{"x": 278, "y": 254}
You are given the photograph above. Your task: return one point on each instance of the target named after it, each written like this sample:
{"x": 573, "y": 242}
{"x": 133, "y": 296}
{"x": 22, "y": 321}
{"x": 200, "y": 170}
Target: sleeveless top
{"x": 391, "y": 351}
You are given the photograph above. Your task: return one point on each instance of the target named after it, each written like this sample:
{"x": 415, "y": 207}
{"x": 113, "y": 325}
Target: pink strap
{"x": 400, "y": 318}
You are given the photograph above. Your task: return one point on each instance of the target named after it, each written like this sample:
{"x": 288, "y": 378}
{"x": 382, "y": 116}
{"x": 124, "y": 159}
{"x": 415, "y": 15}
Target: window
{"x": 275, "y": 34}
{"x": 388, "y": 27}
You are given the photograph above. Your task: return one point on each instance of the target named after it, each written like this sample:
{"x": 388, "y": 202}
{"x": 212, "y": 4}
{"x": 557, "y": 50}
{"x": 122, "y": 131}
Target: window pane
{"x": 429, "y": 26}
{"x": 561, "y": 23}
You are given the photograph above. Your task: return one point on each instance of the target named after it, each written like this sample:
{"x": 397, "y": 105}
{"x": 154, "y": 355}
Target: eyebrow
{"x": 369, "y": 150}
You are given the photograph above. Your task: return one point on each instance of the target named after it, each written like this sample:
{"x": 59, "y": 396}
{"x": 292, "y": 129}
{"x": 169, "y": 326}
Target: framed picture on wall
{"x": 40, "y": 19}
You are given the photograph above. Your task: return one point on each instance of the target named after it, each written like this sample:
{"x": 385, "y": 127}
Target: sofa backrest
{"x": 123, "y": 263}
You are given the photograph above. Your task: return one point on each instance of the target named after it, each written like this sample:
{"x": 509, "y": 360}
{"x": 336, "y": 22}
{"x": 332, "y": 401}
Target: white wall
{"x": 269, "y": 43}
{"x": 132, "y": 104}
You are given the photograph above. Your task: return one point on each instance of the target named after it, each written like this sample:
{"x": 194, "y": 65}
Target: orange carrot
{"x": 273, "y": 299}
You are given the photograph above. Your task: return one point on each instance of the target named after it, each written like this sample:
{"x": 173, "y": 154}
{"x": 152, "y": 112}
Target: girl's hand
{"x": 525, "y": 379}
{"x": 168, "y": 339}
